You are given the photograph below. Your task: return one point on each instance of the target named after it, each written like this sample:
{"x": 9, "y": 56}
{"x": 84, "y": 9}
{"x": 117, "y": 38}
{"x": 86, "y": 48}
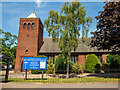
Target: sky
{"x": 13, "y": 11}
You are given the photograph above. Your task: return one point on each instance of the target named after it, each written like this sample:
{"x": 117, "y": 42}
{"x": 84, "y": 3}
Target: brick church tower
{"x": 30, "y": 39}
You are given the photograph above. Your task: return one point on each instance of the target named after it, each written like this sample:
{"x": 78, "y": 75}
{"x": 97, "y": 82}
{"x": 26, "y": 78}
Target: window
{"x": 28, "y": 35}
{"x": 26, "y": 51}
{"x": 99, "y": 57}
{"x": 33, "y": 24}
{"x": 74, "y": 58}
{"x": 28, "y": 25}
{"x": 24, "y": 26}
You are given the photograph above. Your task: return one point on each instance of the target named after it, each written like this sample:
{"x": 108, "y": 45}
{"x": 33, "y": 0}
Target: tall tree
{"x": 8, "y": 46}
{"x": 64, "y": 27}
{"x": 107, "y": 35}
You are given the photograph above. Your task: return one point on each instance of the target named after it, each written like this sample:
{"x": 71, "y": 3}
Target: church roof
{"x": 51, "y": 47}
{"x": 32, "y": 15}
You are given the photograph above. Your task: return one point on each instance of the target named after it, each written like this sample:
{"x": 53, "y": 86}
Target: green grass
{"x": 64, "y": 80}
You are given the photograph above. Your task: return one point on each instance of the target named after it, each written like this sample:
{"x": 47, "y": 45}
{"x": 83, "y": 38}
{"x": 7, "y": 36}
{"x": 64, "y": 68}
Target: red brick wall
{"x": 104, "y": 56}
{"x": 32, "y": 43}
{"x": 81, "y": 59}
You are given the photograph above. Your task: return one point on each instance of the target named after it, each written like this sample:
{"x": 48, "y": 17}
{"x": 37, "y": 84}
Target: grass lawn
{"x": 64, "y": 80}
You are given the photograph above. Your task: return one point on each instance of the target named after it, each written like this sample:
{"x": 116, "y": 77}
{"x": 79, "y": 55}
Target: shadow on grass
{"x": 36, "y": 79}
{"x": 64, "y": 76}
{"x": 105, "y": 75}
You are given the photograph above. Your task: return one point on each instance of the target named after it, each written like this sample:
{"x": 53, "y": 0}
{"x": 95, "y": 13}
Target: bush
{"x": 91, "y": 63}
{"x": 37, "y": 71}
{"x": 97, "y": 68}
{"x": 77, "y": 68}
{"x": 105, "y": 67}
{"x": 71, "y": 64}
{"x": 60, "y": 64}
{"x": 50, "y": 66}
{"x": 113, "y": 62}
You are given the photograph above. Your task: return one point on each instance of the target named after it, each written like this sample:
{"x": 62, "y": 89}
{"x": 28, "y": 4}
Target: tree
{"x": 8, "y": 45}
{"x": 64, "y": 27}
{"x": 107, "y": 35}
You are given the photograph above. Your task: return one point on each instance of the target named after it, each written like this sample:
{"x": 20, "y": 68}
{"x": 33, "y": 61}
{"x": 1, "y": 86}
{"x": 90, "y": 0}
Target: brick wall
{"x": 81, "y": 59}
{"x": 104, "y": 56}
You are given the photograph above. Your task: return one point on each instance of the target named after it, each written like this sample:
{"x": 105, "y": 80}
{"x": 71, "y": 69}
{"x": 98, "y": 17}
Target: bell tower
{"x": 30, "y": 39}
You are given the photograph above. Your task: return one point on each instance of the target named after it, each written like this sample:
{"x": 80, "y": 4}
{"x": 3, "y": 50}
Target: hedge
{"x": 60, "y": 64}
{"x": 92, "y": 64}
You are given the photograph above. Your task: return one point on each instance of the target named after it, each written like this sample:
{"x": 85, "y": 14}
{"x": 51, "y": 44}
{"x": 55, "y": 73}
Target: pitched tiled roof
{"x": 51, "y": 47}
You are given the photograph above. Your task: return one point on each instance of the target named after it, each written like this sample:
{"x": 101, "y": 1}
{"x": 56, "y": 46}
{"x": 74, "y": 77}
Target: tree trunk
{"x": 68, "y": 68}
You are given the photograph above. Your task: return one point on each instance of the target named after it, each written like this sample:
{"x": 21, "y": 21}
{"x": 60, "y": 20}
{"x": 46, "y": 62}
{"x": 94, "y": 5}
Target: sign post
{"x": 42, "y": 74}
{"x": 36, "y": 63}
{"x": 26, "y": 74}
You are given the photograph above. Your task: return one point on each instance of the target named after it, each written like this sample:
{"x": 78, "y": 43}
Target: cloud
{"x": 38, "y": 2}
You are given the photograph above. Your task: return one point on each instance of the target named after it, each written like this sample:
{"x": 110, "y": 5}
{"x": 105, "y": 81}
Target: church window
{"x": 33, "y": 24}
{"x": 28, "y": 25}
{"x": 26, "y": 51}
{"x": 24, "y": 26}
{"x": 74, "y": 58}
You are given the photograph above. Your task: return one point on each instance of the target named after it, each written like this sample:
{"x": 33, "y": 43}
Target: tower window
{"x": 33, "y": 24}
{"x": 28, "y": 25}
{"x": 24, "y": 26}
{"x": 26, "y": 51}
{"x": 28, "y": 35}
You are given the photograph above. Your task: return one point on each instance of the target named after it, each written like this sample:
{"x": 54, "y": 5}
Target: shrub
{"x": 105, "y": 67}
{"x": 91, "y": 63}
{"x": 50, "y": 66}
{"x": 77, "y": 68}
{"x": 37, "y": 71}
{"x": 113, "y": 62}
{"x": 71, "y": 64}
{"x": 97, "y": 68}
{"x": 60, "y": 64}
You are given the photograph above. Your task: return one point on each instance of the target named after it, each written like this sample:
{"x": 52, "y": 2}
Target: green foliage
{"x": 77, "y": 68}
{"x": 97, "y": 68}
{"x": 50, "y": 66}
{"x": 109, "y": 57}
{"x": 8, "y": 46}
{"x": 91, "y": 63}
{"x": 106, "y": 67}
{"x": 37, "y": 71}
{"x": 113, "y": 61}
{"x": 60, "y": 64}
{"x": 64, "y": 26}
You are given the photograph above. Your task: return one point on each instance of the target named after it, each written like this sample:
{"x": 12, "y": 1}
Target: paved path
{"x": 39, "y": 85}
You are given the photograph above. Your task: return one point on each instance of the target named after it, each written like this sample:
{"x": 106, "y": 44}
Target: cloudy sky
{"x": 13, "y": 11}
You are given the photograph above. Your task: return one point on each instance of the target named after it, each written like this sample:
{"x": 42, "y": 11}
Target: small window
{"x": 28, "y": 25}
{"x": 33, "y": 24}
{"x": 28, "y": 35}
{"x": 24, "y": 26}
{"x": 26, "y": 51}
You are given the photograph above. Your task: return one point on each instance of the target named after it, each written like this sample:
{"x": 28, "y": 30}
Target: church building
{"x": 31, "y": 44}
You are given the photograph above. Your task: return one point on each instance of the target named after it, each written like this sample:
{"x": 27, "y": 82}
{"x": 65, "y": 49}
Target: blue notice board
{"x": 39, "y": 63}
